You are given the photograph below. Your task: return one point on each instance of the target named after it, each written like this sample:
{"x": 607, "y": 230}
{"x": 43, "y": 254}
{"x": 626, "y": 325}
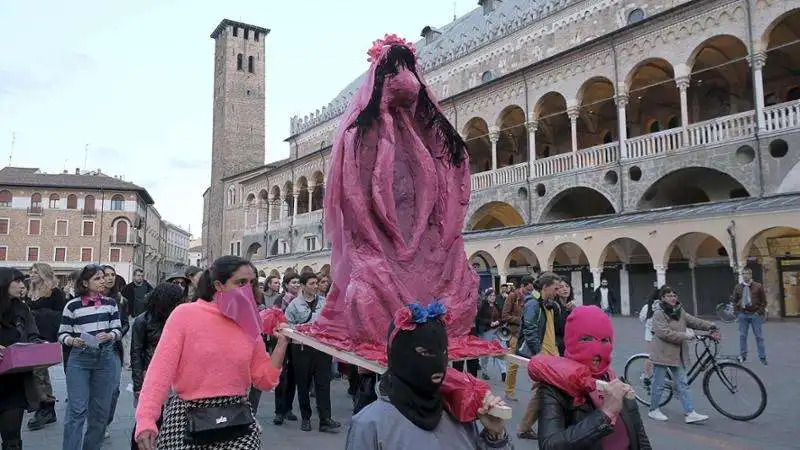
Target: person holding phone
{"x": 90, "y": 325}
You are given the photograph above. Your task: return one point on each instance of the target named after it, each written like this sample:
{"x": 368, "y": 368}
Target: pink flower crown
{"x": 414, "y": 314}
{"x": 388, "y": 40}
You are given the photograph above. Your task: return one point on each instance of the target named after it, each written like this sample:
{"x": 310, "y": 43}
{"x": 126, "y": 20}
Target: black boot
{"x": 43, "y": 416}
{"x": 14, "y": 444}
{"x": 329, "y": 425}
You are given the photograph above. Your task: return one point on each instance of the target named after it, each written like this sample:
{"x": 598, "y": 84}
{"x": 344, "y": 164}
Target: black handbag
{"x": 212, "y": 425}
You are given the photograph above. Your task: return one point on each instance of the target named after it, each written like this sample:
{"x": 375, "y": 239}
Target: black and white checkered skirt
{"x": 173, "y": 429}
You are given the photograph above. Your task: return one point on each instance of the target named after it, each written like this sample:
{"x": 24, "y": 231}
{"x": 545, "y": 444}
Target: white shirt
{"x": 604, "y": 298}
{"x": 648, "y": 324}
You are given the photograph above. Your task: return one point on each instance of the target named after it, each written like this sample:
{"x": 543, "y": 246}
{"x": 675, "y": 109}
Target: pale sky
{"x": 135, "y": 82}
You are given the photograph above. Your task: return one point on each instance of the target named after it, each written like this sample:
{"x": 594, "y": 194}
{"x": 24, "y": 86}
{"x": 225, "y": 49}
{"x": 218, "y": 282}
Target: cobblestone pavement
{"x": 774, "y": 430}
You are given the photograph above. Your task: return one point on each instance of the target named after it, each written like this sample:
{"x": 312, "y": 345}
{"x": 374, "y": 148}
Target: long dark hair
{"x": 86, "y": 274}
{"x": 114, "y": 291}
{"x": 163, "y": 300}
{"x": 400, "y": 56}
{"x": 221, "y": 271}
{"x": 8, "y": 275}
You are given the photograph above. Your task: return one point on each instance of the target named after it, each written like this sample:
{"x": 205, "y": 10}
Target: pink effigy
{"x": 397, "y": 193}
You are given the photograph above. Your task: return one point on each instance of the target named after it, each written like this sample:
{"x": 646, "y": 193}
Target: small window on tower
{"x": 250, "y": 64}
{"x": 239, "y": 61}
{"x": 246, "y": 33}
{"x": 255, "y": 36}
{"x": 235, "y": 31}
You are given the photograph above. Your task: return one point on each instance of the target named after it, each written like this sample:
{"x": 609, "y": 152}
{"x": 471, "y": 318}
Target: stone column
{"x": 596, "y": 273}
{"x": 572, "y": 113}
{"x": 295, "y": 196}
{"x": 622, "y": 124}
{"x": 694, "y": 288}
{"x": 310, "y": 198}
{"x": 576, "y": 280}
{"x": 624, "y": 291}
{"x": 683, "y": 86}
{"x": 532, "y": 127}
{"x": 757, "y": 63}
{"x": 494, "y": 136}
{"x": 503, "y": 277}
{"x": 661, "y": 275}
{"x": 246, "y": 210}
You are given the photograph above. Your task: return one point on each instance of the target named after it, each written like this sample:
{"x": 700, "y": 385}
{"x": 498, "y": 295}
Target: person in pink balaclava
{"x": 597, "y": 420}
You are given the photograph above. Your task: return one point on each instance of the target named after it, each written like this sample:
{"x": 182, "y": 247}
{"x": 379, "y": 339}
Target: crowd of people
{"x": 183, "y": 324}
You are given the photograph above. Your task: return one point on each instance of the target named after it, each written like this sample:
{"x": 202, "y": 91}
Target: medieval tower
{"x": 238, "y": 138}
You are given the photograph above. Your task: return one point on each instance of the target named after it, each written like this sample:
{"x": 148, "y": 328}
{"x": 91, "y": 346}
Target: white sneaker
{"x": 107, "y": 434}
{"x": 693, "y": 417}
{"x": 656, "y": 414}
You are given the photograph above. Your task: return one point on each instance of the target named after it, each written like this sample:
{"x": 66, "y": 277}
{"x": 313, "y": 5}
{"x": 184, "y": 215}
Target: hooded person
{"x": 400, "y": 168}
{"x": 181, "y": 280}
{"x": 410, "y": 412}
{"x": 574, "y": 413}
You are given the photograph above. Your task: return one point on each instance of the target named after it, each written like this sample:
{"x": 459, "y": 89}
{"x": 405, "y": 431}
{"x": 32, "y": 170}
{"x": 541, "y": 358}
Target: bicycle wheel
{"x": 636, "y": 376}
{"x": 735, "y": 379}
{"x": 725, "y": 312}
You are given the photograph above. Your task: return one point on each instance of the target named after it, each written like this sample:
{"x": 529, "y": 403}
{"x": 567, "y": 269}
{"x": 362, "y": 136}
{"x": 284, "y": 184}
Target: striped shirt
{"x": 91, "y": 319}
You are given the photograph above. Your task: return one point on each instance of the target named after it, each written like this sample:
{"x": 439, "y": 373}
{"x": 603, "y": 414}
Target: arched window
{"x": 72, "y": 201}
{"x": 121, "y": 232}
{"x": 5, "y": 198}
{"x": 117, "y": 202}
{"x": 250, "y": 64}
{"x": 608, "y": 138}
{"x": 793, "y": 94}
{"x": 487, "y": 76}
{"x": 54, "y": 199}
{"x": 232, "y": 195}
{"x": 88, "y": 204}
{"x": 239, "y": 59}
{"x": 636, "y": 15}
{"x": 674, "y": 122}
{"x": 36, "y": 200}
{"x": 654, "y": 127}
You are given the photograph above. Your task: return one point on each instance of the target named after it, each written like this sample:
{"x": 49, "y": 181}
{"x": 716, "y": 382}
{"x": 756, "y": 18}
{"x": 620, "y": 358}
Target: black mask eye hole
{"x": 422, "y": 351}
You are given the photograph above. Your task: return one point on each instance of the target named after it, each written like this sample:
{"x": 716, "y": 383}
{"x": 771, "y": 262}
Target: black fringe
{"x": 400, "y": 56}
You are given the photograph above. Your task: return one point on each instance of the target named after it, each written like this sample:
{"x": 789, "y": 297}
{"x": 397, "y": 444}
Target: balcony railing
{"x": 654, "y": 143}
{"x": 257, "y": 229}
{"x": 598, "y": 155}
{"x": 782, "y": 116}
{"x": 500, "y": 177}
{"x": 35, "y": 210}
{"x": 722, "y": 129}
{"x": 552, "y": 165}
{"x": 308, "y": 218}
{"x": 122, "y": 240}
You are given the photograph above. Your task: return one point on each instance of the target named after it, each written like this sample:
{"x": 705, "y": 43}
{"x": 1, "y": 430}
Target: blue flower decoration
{"x": 436, "y": 310}
{"x": 418, "y": 313}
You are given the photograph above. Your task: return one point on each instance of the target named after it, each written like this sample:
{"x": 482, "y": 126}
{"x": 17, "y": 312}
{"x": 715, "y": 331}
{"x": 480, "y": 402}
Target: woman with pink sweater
{"x": 209, "y": 354}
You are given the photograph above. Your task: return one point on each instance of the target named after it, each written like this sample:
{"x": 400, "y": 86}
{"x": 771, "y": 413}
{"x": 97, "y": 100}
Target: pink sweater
{"x": 202, "y": 354}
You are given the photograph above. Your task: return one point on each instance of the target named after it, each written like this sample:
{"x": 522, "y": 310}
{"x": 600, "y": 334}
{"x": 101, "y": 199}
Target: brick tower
{"x": 238, "y": 139}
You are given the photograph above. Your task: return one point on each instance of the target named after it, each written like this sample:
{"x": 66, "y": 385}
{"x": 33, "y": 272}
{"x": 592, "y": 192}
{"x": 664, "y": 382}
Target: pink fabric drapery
{"x": 394, "y": 211}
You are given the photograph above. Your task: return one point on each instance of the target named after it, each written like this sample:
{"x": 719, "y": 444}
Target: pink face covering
{"x": 239, "y": 305}
{"x": 584, "y": 334}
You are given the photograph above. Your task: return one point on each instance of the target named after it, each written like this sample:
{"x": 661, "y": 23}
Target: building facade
{"x": 70, "y": 220}
{"x": 646, "y": 144}
{"x": 177, "y": 249}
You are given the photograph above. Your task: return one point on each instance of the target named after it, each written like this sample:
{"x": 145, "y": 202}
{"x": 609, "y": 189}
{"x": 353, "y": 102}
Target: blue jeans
{"x": 92, "y": 377}
{"x": 491, "y": 335}
{"x": 681, "y": 385}
{"x": 747, "y": 320}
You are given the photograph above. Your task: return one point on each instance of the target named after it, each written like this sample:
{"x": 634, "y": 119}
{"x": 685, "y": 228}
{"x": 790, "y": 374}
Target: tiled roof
{"x": 717, "y": 209}
{"x": 32, "y": 177}
{"x": 458, "y": 38}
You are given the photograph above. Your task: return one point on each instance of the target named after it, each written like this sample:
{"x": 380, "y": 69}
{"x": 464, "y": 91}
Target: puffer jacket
{"x": 670, "y": 336}
{"x": 146, "y": 332}
{"x": 564, "y": 426}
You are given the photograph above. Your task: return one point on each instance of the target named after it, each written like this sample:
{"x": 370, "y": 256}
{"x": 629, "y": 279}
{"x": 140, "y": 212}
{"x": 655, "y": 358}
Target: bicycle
{"x": 727, "y": 370}
{"x": 725, "y": 312}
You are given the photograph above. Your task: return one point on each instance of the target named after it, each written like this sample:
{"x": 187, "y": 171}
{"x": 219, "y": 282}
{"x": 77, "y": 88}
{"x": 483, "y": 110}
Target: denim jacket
{"x": 299, "y": 311}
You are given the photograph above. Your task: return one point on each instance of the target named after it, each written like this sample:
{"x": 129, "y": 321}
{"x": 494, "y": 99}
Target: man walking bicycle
{"x": 750, "y": 304}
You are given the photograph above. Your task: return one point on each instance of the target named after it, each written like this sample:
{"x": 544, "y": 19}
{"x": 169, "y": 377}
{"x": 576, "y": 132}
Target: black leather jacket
{"x": 563, "y": 426}
{"x": 145, "y": 333}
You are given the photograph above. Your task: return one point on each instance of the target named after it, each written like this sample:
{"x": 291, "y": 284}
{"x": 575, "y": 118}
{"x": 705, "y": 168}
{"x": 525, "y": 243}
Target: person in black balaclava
{"x": 410, "y": 410}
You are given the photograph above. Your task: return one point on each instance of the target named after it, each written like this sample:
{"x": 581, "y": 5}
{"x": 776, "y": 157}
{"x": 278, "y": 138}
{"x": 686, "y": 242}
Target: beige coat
{"x": 670, "y": 337}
